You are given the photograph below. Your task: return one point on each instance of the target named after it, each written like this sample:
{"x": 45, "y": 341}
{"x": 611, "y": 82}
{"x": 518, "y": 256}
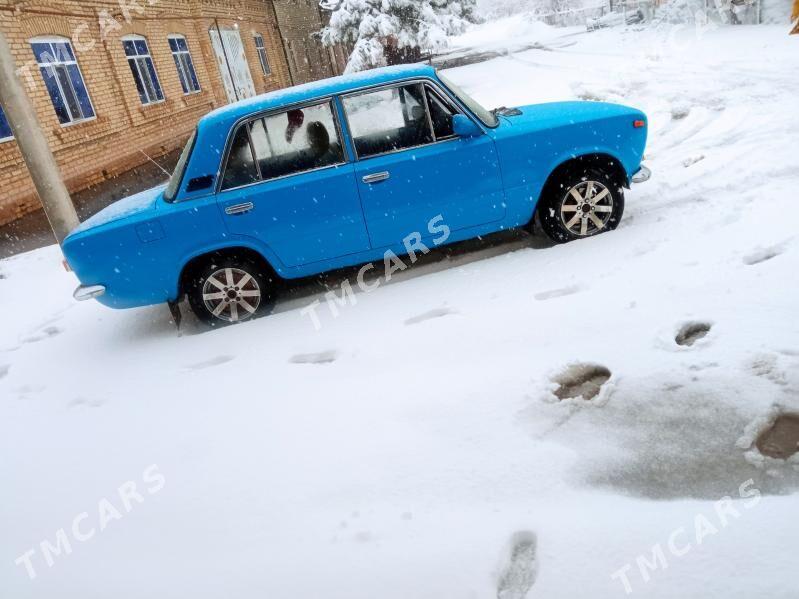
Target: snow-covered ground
{"x": 413, "y": 446}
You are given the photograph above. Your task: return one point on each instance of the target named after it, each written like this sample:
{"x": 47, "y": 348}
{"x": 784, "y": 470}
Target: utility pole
{"x": 34, "y": 149}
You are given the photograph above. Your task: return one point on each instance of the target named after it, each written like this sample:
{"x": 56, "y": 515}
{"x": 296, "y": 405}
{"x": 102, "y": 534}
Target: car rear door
{"x": 287, "y": 183}
{"x": 411, "y": 168}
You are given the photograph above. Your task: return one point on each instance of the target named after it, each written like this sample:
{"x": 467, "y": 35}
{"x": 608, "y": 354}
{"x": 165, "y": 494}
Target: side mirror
{"x": 465, "y": 127}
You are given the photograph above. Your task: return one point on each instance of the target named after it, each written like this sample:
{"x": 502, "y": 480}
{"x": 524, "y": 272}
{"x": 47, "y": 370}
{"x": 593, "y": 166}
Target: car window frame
{"x": 251, "y": 118}
{"x": 424, "y": 81}
{"x": 446, "y": 100}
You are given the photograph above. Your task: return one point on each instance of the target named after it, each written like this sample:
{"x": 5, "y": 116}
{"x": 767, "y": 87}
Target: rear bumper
{"x": 86, "y": 292}
{"x": 641, "y": 175}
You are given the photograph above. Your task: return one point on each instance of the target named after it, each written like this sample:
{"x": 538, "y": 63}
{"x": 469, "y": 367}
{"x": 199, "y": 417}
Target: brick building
{"x": 116, "y": 81}
{"x": 308, "y": 60}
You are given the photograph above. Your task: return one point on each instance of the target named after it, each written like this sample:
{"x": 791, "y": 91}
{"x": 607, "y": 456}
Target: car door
{"x": 411, "y": 168}
{"x": 287, "y": 183}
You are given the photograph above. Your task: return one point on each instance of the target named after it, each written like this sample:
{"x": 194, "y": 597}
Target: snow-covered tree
{"x": 373, "y": 26}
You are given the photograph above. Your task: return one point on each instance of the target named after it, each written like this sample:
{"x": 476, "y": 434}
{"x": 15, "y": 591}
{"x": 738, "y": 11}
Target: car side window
{"x": 286, "y": 143}
{"x": 387, "y": 120}
{"x": 241, "y": 168}
{"x": 441, "y": 112}
{"x": 300, "y": 139}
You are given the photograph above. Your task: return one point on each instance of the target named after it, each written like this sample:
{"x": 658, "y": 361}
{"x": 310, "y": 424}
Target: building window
{"x": 259, "y": 45}
{"x": 180, "y": 52}
{"x": 143, "y": 69}
{"x": 63, "y": 79}
{"x": 5, "y": 129}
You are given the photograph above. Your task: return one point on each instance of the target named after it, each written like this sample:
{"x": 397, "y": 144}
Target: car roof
{"x": 315, "y": 89}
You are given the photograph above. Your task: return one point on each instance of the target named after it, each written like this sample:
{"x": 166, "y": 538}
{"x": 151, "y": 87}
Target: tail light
{"x": 639, "y": 124}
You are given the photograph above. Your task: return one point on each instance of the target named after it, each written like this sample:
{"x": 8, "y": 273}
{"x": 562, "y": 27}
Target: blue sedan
{"x": 338, "y": 172}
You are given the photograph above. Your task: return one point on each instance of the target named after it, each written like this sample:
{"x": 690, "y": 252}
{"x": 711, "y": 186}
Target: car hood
{"x": 126, "y": 208}
{"x": 554, "y": 114}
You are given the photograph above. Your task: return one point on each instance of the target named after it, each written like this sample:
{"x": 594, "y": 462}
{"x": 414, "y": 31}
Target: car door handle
{"x": 376, "y": 177}
{"x": 239, "y": 208}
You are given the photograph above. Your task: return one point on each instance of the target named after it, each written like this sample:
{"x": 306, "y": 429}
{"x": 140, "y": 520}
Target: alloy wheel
{"x": 586, "y": 208}
{"x": 231, "y": 294}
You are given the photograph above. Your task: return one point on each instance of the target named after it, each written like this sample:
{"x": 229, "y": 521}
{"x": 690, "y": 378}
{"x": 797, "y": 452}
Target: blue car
{"x": 336, "y": 173}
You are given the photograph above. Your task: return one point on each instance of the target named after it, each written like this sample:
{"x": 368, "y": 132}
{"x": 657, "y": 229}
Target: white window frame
{"x": 57, "y": 39}
{"x": 135, "y": 38}
{"x": 179, "y": 64}
{"x": 262, "y": 56}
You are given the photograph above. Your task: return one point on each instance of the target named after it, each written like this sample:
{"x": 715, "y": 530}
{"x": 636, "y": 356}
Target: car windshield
{"x": 489, "y": 118}
{"x": 177, "y": 176}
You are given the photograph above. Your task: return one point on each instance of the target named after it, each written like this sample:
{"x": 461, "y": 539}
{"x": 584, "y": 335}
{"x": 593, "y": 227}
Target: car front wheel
{"x": 581, "y": 203}
{"x": 227, "y": 290}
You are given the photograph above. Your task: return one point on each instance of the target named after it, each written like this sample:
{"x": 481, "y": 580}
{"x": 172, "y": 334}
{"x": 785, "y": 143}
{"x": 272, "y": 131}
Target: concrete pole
{"x": 33, "y": 145}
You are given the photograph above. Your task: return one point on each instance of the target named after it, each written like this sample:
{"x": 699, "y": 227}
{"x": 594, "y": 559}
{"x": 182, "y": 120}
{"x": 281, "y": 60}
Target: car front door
{"x": 412, "y": 168}
{"x": 287, "y": 183}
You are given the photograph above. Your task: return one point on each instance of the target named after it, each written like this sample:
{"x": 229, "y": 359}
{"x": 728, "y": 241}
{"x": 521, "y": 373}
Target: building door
{"x": 232, "y": 63}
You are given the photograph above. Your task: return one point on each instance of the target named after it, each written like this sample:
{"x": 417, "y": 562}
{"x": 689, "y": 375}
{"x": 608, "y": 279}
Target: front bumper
{"x": 641, "y": 175}
{"x": 86, "y": 292}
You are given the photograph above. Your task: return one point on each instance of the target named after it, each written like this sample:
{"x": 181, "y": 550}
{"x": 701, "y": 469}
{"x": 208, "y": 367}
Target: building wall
{"x": 124, "y": 131}
{"x": 300, "y": 22}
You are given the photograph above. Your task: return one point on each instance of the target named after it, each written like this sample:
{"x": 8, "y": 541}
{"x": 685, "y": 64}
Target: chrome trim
{"x": 376, "y": 177}
{"x": 86, "y": 292}
{"x": 641, "y": 175}
{"x": 239, "y": 208}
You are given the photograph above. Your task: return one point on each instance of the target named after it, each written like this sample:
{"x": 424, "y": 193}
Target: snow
{"x": 413, "y": 446}
{"x": 518, "y": 29}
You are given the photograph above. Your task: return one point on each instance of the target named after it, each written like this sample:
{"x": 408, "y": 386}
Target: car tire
{"x": 582, "y": 202}
{"x": 229, "y": 289}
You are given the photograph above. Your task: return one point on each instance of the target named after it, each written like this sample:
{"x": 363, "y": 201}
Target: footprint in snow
{"x": 84, "y": 402}
{"x": 430, "y": 315}
{"x": 781, "y": 439}
{"x": 218, "y": 360}
{"x": 767, "y": 366}
{"x": 518, "y": 576}
{"x": 45, "y": 333}
{"x": 26, "y": 392}
{"x": 680, "y": 111}
{"x": 762, "y": 255}
{"x": 325, "y": 357}
{"x": 581, "y": 380}
{"x": 691, "y": 332}
{"x": 553, "y": 293}
{"x": 692, "y": 160}
{"x": 4, "y": 368}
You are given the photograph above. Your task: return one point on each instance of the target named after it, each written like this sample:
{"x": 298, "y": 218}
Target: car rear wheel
{"x": 228, "y": 289}
{"x": 581, "y": 203}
